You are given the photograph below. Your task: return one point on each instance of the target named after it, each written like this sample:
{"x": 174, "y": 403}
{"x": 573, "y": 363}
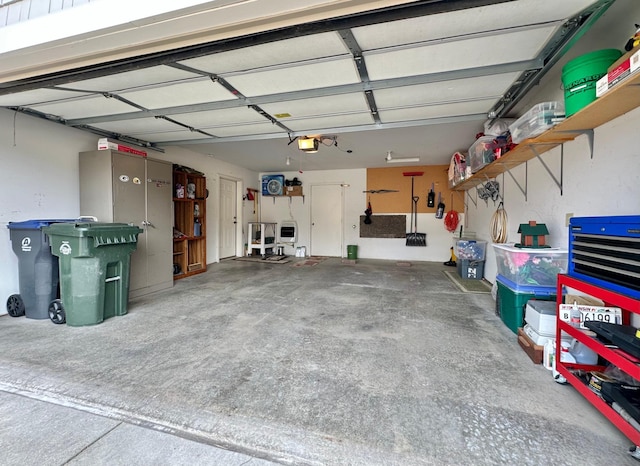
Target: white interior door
{"x": 326, "y": 220}
{"x": 228, "y": 218}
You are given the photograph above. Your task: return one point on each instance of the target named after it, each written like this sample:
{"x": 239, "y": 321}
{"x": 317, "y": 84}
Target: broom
{"x": 414, "y": 238}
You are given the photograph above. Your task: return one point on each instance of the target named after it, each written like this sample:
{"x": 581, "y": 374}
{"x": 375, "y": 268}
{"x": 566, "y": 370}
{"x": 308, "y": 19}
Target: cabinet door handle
{"x": 148, "y": 224}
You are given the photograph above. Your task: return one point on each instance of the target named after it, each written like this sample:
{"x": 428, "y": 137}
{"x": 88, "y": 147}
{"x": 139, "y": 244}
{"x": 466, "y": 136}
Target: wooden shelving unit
{"x": 189, "y": 211}
{"x": 621, "y": 99}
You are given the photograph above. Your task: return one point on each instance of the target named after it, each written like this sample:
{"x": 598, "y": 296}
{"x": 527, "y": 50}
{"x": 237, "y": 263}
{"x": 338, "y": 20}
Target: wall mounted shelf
{"x": 289, "y": 193}
{"x": 621, "y": 99}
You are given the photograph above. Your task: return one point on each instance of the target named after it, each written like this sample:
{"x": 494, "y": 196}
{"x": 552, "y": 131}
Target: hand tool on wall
{"x": 440, "y": 209}
{"x": 368, "y": 213}
{"x": 431, "y": 197}
{"x": 414, "y": 238}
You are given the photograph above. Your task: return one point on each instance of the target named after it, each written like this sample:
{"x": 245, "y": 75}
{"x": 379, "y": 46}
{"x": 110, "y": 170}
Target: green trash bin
{"x": 94, "y": 261}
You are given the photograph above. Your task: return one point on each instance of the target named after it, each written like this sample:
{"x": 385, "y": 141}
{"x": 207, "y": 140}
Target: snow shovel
{"x": 414, "y": 238}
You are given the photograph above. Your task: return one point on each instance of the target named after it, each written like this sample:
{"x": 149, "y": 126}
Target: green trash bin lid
{"x": 102, "y": 233}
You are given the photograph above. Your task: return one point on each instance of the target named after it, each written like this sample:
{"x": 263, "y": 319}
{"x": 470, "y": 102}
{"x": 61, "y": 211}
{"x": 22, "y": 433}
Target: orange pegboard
{"x": 393, "y": 178}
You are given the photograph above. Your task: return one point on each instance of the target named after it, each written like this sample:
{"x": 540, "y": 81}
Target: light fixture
{"x": 308, "y": 145}
{"x": 389, "y": 159}
{"x": 288, "y": 160}
{"x": 407, "y": 160}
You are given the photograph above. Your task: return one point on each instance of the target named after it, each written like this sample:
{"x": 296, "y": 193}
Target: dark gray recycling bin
{"x": 37, "y": 269}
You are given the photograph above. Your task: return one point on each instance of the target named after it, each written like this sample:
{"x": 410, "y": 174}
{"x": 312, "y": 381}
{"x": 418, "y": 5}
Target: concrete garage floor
{"x": 331, "y": 364}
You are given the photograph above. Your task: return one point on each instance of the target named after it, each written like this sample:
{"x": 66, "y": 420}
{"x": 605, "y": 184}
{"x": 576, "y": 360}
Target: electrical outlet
{"x": 567, "y": 218}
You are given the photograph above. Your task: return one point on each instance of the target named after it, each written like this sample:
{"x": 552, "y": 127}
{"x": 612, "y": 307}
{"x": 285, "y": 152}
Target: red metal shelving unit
{"x": 615, "y": 356}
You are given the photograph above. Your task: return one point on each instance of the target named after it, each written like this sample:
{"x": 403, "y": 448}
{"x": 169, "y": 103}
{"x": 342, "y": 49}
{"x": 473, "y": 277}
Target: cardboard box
{"x": 534, "y": 351}
{"x": 627, "y": 65}
{"x": 293, "y": 191}
{"x": 108, "y": 144}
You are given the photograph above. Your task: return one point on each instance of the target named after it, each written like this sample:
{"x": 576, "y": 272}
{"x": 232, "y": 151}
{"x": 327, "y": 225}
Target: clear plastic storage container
{"x": 527, "y": 267}
{"x": 470, "y": 249}
{"x": 537, "y": 120}
{"x": 481, "y": 153}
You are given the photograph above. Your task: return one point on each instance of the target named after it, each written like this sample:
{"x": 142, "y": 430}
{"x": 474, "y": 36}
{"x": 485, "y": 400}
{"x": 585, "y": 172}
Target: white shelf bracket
{"x": 590, "y": 137}
{"x": 546, "y": 167}
{"x": 475, "y": 203}
{"x": 526, "y": 179}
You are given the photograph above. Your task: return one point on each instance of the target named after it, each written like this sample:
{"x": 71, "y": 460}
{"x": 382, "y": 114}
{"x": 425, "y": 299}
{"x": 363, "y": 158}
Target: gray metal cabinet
{"x": 125, "y": 188}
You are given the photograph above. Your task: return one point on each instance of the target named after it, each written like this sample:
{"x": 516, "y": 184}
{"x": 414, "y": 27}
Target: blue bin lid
{"x": 36, "y": 224}
{"x": 538, "y": 290}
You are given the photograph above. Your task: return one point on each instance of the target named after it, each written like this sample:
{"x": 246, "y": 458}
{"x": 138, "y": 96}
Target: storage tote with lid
{"x": 526, "y": 267}
{"x": 537, "y": 120}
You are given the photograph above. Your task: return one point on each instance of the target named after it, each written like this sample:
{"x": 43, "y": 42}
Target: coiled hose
{"x": 451, "y": 221}
{"x": 498, "y": 225}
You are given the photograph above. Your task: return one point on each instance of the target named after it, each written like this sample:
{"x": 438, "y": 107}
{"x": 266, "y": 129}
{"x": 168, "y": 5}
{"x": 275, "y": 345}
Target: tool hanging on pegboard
{"x": 441, "y": 206}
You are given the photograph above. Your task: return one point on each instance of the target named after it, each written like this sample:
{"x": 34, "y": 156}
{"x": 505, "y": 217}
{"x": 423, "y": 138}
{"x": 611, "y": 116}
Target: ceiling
{"x": 417, "y": 79}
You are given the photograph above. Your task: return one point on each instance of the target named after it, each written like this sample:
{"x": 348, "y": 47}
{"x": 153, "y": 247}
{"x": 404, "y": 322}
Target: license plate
{"x": 608, "y": 317}
{"x": 598, "y": 313}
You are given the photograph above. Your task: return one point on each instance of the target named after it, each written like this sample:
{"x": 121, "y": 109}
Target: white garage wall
{"x": 39, "y": 180}
{"x": 276, "y": 210}
{"x": 299, "y": 209}
{"x": 608, "y": 184}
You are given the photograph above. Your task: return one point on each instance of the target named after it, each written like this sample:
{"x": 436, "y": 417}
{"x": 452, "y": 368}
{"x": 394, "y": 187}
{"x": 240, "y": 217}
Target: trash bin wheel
{"x": 15, "y": 306}
{"x": 56, "y": 312}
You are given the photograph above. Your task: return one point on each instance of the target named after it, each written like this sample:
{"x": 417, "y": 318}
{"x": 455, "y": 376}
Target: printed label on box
{"x": 107, "y": 144}
{"x": 618, "y": 74}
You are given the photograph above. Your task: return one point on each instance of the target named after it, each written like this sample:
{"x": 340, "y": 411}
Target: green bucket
{"x": 352, "y": 251}
{"x": 579, "y": 77}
